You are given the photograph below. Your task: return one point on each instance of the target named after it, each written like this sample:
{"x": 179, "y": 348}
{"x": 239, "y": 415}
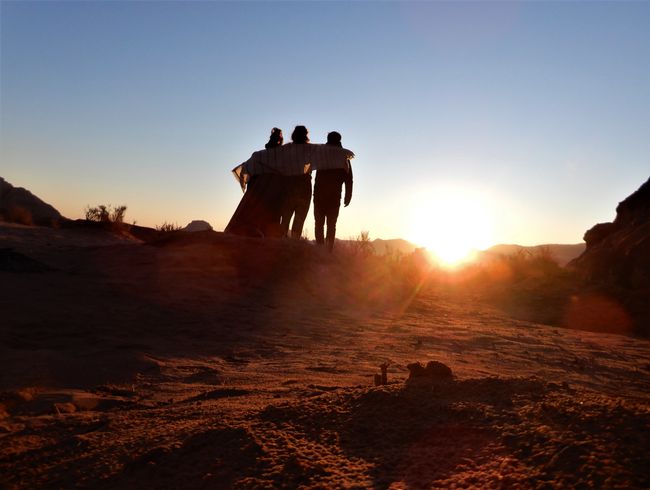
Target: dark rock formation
{"x": 619, "y": 252}
{"x": 434, "y": 370}
{"x": 616, "y": 263}
{"x": 635, "y": 210}
{"x": 598, "y": 233}
{"x": 18, "y": 205}
{"x": 198, "y": 225}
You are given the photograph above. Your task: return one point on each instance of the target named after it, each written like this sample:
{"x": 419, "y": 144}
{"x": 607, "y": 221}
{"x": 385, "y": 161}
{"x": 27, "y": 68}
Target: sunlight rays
{"x": 452, "y": 223}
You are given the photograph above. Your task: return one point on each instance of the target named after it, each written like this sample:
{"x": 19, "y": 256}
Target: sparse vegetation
{"x": 361, "y": 245}
{"x": 529, "y": 285}
{"x": 18, "y": 214}
{"x": 526, "y": 264}
{"x": 106, "y": 214}
{"x": 169, "y": 227}
{"x": 393, "y": 255}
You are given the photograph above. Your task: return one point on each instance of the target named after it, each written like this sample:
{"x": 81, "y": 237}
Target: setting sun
{"x": 452, "y": 223}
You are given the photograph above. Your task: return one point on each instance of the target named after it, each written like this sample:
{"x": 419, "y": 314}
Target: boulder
{"x": 434, "y": 371}
{"x": 198, "y": 225}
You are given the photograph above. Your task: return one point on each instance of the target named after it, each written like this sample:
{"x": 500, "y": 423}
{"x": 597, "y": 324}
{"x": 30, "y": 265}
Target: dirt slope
{"x": 209, "y": 361}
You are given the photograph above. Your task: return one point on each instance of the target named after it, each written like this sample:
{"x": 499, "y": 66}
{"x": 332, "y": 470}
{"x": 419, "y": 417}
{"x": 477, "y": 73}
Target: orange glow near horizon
{"x": 452, "y": 223}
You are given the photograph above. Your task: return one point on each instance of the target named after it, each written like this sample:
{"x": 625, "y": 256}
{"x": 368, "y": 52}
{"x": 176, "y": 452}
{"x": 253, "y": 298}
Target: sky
{"x": 526, "y": 122}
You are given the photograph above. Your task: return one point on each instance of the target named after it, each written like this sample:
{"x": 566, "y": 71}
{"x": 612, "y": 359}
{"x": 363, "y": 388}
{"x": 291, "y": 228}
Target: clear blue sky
{"x": 539, "y": 110}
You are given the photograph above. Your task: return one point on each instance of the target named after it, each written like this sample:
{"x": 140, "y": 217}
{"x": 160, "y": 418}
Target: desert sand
{"x": 209, "y": 361}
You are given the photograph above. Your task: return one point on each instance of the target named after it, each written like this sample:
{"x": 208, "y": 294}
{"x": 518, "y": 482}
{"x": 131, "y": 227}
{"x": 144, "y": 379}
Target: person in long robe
{"x": 259, "y": 211}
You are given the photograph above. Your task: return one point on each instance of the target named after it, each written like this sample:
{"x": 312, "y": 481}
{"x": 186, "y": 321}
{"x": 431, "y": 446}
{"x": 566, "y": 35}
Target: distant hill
{"x": 394, "y": 245}
{"x": 561, "y": 253}
{"x": 18, "y": 205}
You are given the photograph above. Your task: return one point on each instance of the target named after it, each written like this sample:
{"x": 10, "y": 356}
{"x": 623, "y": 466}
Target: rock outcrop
{"x": 433, "y": 371}
{"x": 18, "y": 205}
{"x": 618, "y": 253}
{"x": 615, "y": 266}
{"x": 198, "y": 225}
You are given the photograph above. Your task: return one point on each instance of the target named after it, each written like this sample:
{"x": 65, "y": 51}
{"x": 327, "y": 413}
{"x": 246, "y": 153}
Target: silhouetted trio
{"x": 277, "y": 184}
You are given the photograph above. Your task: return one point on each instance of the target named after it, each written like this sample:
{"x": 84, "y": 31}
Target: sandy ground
{"x": 211, "y": 361}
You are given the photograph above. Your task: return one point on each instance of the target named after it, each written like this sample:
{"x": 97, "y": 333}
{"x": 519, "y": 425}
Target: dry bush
{"x": 529, "y": 285}
{"x": 20, "y": 215}
{"x": 106, "y": 214}
{"x": 169, "y": 227}
{"x": 383, "y": 280}
{"x": 361, "y": 245}
{"x": 521, "y": 266}
{"x": 110, "y": 217}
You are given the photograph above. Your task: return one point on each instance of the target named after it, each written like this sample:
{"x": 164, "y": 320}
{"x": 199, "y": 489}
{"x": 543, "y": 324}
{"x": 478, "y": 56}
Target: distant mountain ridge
{"x": 561, "y": 253}
{"x": 394, "y": 245}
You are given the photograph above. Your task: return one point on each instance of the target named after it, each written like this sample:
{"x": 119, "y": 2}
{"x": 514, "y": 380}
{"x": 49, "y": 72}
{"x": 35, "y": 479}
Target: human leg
{"x": 332, "y": 217}
{"x": 301, "y": 208}
{"x": 319, "y": 227}
{"x": 275, "y": 203}
{"x": 288, "y": 208}
{"x": 301, "y": 202}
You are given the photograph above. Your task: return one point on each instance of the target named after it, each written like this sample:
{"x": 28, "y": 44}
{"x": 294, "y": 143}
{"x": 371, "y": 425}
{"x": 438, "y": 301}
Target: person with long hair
{"x": 276, "y": 139}
{"x": 259, "y": 211}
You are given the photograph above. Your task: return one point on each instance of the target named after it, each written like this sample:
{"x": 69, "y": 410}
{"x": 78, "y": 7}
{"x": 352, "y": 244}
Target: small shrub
{"x": 99, "y": 213}
{"x": 106, "y": 214}
{"x": 361, "y": 245}
{"x": 169, "y": 227}
{"x": 20, "y": 215}
{"x": 117, "y": 215}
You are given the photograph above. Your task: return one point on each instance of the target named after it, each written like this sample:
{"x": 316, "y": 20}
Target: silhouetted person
{"x": 327, "y": 196}
{"x": 298, "y": 190}
{"x": 260, "y": 209}
{"x": 276, "y": 139}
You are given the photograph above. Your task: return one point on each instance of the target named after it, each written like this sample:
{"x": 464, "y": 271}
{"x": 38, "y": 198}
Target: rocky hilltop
{"x": 618, "y": 253}
{"x": 616, "y": 262}
{"x": 18, "y": 205}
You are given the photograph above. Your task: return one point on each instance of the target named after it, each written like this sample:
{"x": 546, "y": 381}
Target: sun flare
{"x": 452, "y": 223}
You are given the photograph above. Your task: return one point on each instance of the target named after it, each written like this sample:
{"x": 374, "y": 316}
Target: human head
{"x": 334, "y": 138}
{"x": 300, "y": 135}
{"x": 275, "y": 139}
